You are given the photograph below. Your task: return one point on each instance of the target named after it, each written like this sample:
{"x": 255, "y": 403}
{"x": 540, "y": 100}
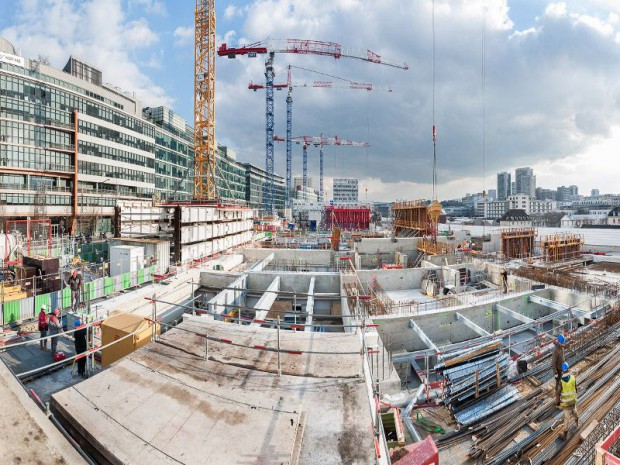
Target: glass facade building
{"x": 72, "y": 144}
{"x": 255, "y": 188}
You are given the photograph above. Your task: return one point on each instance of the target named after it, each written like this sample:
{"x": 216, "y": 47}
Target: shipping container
{"x": 126, "y": 259}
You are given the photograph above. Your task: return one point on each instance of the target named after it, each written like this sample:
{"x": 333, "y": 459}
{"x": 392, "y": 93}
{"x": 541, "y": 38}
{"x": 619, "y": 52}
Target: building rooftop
{"x": 166, "y": 402}
{"x": 515, "y": 214}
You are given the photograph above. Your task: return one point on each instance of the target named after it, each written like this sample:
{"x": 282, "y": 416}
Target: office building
{"x": 545, "y": 194}
{"x": 525, "y": 181}
{"x": 504, "y": 185}
{"x": 345, "y": 191}
{"x": 256, "y": 188}
{"x": 72, "y": 145}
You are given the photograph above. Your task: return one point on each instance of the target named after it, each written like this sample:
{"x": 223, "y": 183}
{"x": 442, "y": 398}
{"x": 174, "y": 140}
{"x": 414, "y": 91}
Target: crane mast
{"x": 204, "y": 101}
{"x": 297, "y": 46}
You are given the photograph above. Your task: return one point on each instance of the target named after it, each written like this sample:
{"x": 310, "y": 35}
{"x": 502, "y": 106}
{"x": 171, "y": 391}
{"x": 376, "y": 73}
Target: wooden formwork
{"x": 562, "y": 246}
{"x": 413, "y": 217}
{"x": 518, "y": 243}
{"x": 434, "y": 248}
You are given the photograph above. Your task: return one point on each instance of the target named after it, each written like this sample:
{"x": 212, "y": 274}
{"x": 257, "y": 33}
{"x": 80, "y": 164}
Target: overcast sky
{"x": 550, "y": 83}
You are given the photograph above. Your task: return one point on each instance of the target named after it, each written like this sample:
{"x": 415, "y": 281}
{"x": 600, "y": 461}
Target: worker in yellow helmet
{"x": 568, "y": 399}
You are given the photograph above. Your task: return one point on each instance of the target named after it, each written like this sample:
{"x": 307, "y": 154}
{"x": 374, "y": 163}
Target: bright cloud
{"x": 97, "y": 31}
{"x": 183, "y": 35}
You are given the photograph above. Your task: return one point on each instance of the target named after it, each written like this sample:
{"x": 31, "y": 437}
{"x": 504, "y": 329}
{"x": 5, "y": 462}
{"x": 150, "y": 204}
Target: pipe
{"x": 434, "y": 394}
{"x": 416, "y": 436}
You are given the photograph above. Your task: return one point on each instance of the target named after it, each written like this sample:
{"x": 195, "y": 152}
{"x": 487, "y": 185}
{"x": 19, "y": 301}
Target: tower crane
{"x": 319, "y": 141}
{"x": 345, "y": 84}
{"x": 204, "y": 101}
{"x": 298, "y": 46}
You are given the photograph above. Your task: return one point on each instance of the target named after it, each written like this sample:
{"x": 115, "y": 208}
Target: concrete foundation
{"x": 167, "y": 403}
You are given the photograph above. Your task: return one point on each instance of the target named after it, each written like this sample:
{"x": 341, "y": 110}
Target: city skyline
{"x": 537, "y": 55}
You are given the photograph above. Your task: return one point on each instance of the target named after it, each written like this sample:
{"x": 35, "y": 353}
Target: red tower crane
{"x": 319, "y": 141}
{"x": 306, "y": 47}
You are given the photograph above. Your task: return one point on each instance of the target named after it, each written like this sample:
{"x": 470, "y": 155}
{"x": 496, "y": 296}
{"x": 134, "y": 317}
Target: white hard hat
{"x": 43, "y": 307}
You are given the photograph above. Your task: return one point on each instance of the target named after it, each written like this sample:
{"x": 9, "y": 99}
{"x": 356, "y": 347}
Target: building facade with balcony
{"x": 71, "y": 145}
{"x": 256, "y": 188}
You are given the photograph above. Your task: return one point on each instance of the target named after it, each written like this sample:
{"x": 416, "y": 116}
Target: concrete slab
{"x": 166, "y": 404}
{"x": 28, "y": 436}
{"x": 27, "y": 357}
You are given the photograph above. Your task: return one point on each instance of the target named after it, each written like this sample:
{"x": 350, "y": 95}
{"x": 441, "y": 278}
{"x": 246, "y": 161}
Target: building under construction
{"x": 412, "y": 219}
{"x": 561, "y": 247}
{"x": 518, "y": 243}
{"x": 347, "y": 218}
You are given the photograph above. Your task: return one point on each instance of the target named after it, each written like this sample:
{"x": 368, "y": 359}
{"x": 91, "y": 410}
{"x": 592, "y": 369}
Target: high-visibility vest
{"x": 568, "y": 396}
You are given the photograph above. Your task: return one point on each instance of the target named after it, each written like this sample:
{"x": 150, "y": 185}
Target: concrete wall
{"x": 217, "y": 278}
{"x": 311, "y": 257}
{"x": 296, "y": 282}
{"x": 391, "y": 280}
{"x": 370, "y": 248}
{"x": 443, "y": 327}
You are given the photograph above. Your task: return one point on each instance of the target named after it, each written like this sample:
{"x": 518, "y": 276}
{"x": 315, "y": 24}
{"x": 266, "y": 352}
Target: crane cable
{"x": 484, "y": 114}
{"x": 434, "y": 129}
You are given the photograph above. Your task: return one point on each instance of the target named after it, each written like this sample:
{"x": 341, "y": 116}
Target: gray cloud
{"x": 551, "y": 91}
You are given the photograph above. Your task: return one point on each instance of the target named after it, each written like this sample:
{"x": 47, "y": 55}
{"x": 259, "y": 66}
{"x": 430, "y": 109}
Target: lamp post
{"x": 102, "y": 182}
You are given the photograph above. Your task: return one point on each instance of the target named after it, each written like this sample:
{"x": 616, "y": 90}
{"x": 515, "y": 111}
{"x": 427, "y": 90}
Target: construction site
{"x": 208, "y": 331}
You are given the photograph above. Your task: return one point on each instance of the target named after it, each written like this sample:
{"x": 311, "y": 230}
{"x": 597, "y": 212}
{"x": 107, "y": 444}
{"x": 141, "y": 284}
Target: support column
{"x": 264, "y": 304}
{"x": 310, "y": 307}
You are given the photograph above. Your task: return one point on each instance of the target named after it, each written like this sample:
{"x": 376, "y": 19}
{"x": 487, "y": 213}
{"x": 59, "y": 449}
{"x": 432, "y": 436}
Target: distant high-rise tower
{"x": 525, "y": 181}
{"x": 345, "y": 190}
{"x": 504, "y": 185}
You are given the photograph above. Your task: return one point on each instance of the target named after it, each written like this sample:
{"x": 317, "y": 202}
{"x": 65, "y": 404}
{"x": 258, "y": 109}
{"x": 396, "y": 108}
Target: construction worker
{"x": 504, "y": 275}
{"x": 55, "y": 329}
{"x": 557, "y": 359}
{"x": 75, "y": 283}
{"x": 569, "y": 399}
{"x": 44, "y": 324}
{"x": 80, "y": 346}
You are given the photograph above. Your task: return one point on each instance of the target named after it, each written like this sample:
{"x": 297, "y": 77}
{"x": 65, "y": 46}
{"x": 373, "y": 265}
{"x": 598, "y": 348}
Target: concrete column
{"x": 264, "y": 304}
{"x": 310, "y": 306}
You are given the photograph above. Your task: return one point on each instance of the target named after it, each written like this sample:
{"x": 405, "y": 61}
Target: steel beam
{"x": 422, "y": 335}
{"x": 310, "y": 306}
{"x": 471, "y": 325}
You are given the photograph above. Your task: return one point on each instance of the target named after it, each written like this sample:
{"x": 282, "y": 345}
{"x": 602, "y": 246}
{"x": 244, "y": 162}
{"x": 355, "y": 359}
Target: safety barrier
{"x": 27, "y": 309}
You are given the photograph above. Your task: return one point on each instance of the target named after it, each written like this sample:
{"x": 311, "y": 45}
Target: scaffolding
{"x": 561, "y": 247}
{"x": 412, "y": 218}
{"x": 518, "y": 243}
{"x": 347, "y": 218}
{"x": 430, "y": 247}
